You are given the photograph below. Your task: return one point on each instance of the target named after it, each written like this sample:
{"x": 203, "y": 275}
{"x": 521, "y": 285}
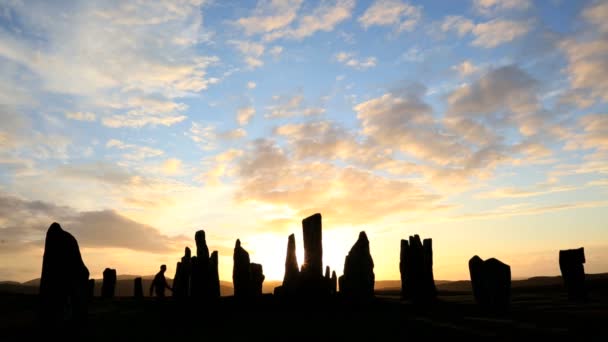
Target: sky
{"x": 481, "y": 124}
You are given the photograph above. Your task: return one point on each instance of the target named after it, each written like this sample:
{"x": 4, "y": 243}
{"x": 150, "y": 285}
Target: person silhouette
{"x": 160, "y": 283}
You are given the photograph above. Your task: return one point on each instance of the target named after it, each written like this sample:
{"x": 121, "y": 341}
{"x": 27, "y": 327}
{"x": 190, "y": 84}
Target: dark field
{"x": 536, "y": 311}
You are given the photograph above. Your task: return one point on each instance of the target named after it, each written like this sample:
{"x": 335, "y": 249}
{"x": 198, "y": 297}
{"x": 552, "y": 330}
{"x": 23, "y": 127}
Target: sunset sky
{"x": 482, "y": 124}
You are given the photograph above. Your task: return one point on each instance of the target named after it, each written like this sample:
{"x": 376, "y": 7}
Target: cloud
{"x": 81, "y": 116}
{"x": 26, "y": 222}
{"x": 489, "y": 34}
{"x": 349, "y": 60}
{"x": 499, "y": 31}
{"x": 251, "y": 51}
{"x": 347, "y": 194}
{"x": 269, "y": 16}
{"x": 172, "y": 166}
{"x": 203, "y": 135}
{"x": 505, "y": 87}
{"x": 404, "y": 122}
{"x": 244, "y": 114}
{"x": 396, "y": 13}
{"x": 587, "y": 65}
{"x": 493, "y": 6}
{"x": 251, "y": 85}
{"x": 291, "y": 106}
{"x": 457, "y": 23}
{"x": 326, "y": 16}
{"x": 234, "y": 134}
{"x": 102, "y": 75}
{"x": 593, "y": 133}
{"x": 526, "y": 209}
{"x": 276, "y": 51}
{"x": 413, "y": 54}
{"x": 596, "y": 14}
{"x": 466, "y": 68}
{"x": 537, "y": 190}
{"x": 135, "y": 152}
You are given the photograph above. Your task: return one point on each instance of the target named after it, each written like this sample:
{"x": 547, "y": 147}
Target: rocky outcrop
{"x": 64, "y": 286}
{"x": 573, "y": 272}
{"x": 358, "y": 279}
{"x": 416, "y": 267}
{"x": 491, "y": 282}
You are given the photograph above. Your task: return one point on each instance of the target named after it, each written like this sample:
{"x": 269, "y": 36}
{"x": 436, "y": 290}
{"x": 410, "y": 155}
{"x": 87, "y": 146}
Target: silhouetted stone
{"x": 573, "y": 272}
{"x": 292, "y": 272}
{"x": 416, "y": 267}
{"x": 214, "y": 276}
{"x": 476, "y": 272}
{"x": 257, "y": 279}
{"x": 177, "y": 280}
{"x": 333, "y": 285}
{"x": 108, "y": 287}
{"x": 358, "y": 279}
{"x": 241, "y": 274}
{"x": 313, "y": 246}
{"x": 138, "y": 289}
{"x": 200, "y": 281}
{"x": 64, "y": 286}
{"x": 91, "y": 288}
{"x": 491, "y": 282}
{"x": 181, "y": 283}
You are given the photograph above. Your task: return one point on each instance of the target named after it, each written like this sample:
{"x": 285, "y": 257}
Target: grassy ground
{"x": 534, "y": 313}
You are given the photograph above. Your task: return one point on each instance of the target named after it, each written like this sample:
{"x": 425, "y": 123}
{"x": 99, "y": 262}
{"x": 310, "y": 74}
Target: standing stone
{"x": 333, "y": 289}
{"x": 91, "y": 289}
{"x": 358, "y": 279}
{"x": 573, "y": 272}
{"x": 177, "y": 280}
{"x": 491, "y": 282}
{"x": 257, "y": 279}
{"x": 200, "y": 281}
{"x": 108, "y": 287}
{"x": 313, "y": 246}
{"x": 214, "y": 276}
{"x": 138, "y": 289}
{"x": 416, "y": 267}
{"x": 292, "y": 272}
{"x": 241, "y": 274}
{"x": 476, "y": 272}
{"x": 64, "y": 283}
{"x": 181, "y": 282}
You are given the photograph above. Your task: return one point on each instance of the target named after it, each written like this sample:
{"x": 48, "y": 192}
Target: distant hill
{"x": 124, "y": 286}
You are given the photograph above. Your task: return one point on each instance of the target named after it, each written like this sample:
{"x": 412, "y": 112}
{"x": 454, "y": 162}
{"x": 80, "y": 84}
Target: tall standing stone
{"x": 491, "y": 282}
{"x": 358, "y": 279}
{"x": 64, "y": 281}
{"x": 91, "y": 288}
{"x": 181, "y": 287}
{"x": 177, "y": 281}
{"x": 257, "y": 279}
{"x": 416, "y": 267}
{"x": 200, "y": 286}
{"x": 214, "y": 276}
{"x": 241, "y": 274}
{"x": 292, "y": 271}
{"x": 333, "y": 289}
{"x": 313, "y": 246}
{"x": 138, "y": 288}
{"x": 573, "y": 272}
{"x": 108, "y": 287}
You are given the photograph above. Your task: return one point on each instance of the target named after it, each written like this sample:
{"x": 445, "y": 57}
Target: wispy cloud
{"x": 400, "y": 14}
